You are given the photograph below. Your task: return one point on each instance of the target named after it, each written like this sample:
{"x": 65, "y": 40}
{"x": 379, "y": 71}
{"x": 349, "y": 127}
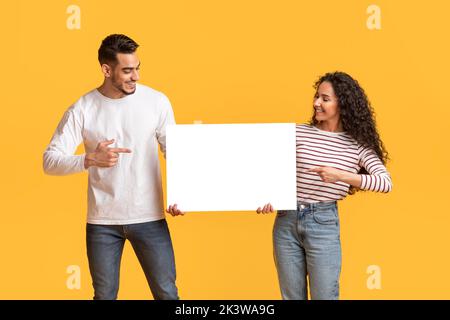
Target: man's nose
{"x": 135, "y": 76}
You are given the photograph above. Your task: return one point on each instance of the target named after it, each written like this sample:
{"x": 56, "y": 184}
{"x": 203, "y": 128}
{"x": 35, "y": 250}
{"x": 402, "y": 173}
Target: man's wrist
{"x": 89, "y": 160}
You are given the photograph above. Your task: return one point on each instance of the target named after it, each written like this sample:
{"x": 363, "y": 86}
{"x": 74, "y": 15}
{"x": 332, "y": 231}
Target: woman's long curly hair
{"x": 356, "y": 114}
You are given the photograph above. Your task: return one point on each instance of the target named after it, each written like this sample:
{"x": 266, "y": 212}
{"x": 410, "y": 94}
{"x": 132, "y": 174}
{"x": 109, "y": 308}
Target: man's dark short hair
{"x": 114, "y": 44}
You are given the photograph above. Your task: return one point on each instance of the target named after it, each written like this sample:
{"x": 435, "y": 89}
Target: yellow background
{"x": 231, "y": 62}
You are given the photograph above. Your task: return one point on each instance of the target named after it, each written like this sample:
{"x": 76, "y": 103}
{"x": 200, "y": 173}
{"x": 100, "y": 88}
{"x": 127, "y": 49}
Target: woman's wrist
{"x": 350, "y": 178}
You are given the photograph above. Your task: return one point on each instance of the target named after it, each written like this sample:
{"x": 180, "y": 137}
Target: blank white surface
{"x": 231, "y": 167}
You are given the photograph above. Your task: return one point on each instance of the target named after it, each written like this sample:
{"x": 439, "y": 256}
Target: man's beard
{"x": 119, "y": 87}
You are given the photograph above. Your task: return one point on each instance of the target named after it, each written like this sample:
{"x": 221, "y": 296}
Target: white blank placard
{"x": 231, "y": 167}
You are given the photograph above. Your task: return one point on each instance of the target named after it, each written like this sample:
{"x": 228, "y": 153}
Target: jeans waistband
{"x": 304, "y": 205}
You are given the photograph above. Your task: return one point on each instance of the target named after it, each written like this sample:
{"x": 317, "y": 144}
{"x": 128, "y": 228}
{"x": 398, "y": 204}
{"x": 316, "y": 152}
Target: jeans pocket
{"x": 326, "y": 216}
{"x": 282, "y": 213}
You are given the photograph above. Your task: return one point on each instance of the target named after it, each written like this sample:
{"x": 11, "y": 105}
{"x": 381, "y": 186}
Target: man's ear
{"x": 107, "y": 70}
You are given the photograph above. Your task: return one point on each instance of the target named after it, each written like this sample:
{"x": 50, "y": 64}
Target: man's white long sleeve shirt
{"x": 131, "y": 191}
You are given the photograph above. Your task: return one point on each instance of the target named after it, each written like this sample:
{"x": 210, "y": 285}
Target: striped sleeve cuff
{"x": 377, "y": 183}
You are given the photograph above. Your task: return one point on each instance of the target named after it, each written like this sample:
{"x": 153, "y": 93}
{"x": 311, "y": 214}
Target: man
{"x": 120, "y": 124}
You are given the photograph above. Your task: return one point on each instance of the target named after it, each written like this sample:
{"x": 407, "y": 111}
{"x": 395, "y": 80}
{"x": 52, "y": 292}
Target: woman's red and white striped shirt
{"x": 339, "y": 150}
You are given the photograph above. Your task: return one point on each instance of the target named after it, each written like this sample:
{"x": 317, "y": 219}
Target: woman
{"x": 338, "y": 153}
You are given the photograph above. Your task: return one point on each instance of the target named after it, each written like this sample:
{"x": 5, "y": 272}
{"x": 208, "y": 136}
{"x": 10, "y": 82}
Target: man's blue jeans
{"x": 307, "y": 243}
{"x": 153, "y": 246}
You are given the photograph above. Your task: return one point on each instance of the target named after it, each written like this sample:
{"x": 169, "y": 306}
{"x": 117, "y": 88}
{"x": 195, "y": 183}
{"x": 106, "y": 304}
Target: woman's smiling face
{"x": 326, "y": 106}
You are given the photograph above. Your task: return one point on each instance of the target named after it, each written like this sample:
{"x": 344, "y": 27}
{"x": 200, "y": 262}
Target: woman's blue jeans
{"x": 307, "y": 245}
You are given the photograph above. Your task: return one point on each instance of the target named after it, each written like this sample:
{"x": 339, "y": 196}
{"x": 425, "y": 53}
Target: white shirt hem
{"x": 123, "y": 222}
